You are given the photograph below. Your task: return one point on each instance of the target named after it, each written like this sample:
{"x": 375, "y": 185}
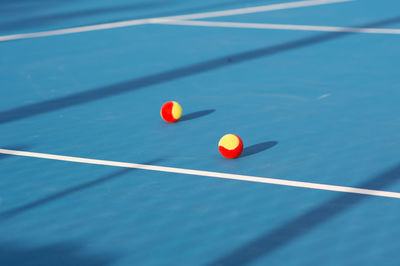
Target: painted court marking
{"x": 247, "y": 178}
{"x": 256, "y": 9}
{"x": 135, "y": 22}
{"x": 277, "y": 26}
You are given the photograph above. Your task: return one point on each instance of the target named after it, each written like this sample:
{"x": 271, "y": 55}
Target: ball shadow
{"x": 197, "y": 114}
{"x": 259, "y": 147}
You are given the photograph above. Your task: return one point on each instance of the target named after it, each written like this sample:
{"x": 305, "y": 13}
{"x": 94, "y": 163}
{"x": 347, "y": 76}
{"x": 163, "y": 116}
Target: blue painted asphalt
{"x": 320, "y": 107}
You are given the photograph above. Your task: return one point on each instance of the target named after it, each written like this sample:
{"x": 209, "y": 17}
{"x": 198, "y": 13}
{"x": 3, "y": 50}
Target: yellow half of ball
{"x": 176, "y": 110}
{"x": 229, "y": 141}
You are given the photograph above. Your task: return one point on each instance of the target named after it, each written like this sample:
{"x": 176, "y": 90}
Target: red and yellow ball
{"x": 230, "y": 146}
{"x": 171, "y": 112}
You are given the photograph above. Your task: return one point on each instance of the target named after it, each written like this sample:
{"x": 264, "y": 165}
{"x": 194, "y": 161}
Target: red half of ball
{"x": 167, "y": 112}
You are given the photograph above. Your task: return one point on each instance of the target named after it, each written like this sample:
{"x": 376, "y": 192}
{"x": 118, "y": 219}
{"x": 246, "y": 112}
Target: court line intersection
{"x": 135, "y": 22}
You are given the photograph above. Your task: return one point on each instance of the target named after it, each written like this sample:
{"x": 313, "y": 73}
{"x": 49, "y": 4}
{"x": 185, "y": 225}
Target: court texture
{"x": 91, "y": 175}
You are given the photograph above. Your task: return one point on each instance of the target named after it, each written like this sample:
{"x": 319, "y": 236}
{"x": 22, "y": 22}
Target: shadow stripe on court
{"x": 35, "y": 109}
{"x": 303, "y": 224}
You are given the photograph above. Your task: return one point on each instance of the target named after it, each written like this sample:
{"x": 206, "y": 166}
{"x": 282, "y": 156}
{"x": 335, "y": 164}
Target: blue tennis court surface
{"x": 312, "y": 87}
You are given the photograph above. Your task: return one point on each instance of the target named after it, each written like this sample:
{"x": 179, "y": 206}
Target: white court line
{"x": 277, "y": 26}
{"x": 264, "y": 180}
{"x": 75, "y": 30}
{"x": 257, "y": 9}
{"x": 134, "y": 22}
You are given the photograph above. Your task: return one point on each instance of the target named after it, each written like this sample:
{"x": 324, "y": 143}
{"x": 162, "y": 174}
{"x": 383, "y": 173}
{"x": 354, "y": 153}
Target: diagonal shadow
{"x": 8, "y": 6}
{"x": 166, "y": 76}
{"x": 256, "y": 148}
{"x": 195, "y": 115}
{"x": 66, "y": 192}
{"x": 61, "y": 254}
{"x": 51, "y": 19}
{"x": 191, "y": 10}
{"x": 303, "y": 224}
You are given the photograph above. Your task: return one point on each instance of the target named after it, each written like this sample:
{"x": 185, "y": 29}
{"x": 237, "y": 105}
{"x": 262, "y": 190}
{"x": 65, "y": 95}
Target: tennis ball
{"x": 230, "y": 146}
{"x": 171, "y": 111}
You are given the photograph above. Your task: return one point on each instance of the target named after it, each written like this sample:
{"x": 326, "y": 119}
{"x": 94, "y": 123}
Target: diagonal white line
{"x": 134, "y": 22}
{"x": 247, "y": 178}
{"x": 75, "y": 30}
{"x": 277, "y": 26}
{"x": 256, "y": 9}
